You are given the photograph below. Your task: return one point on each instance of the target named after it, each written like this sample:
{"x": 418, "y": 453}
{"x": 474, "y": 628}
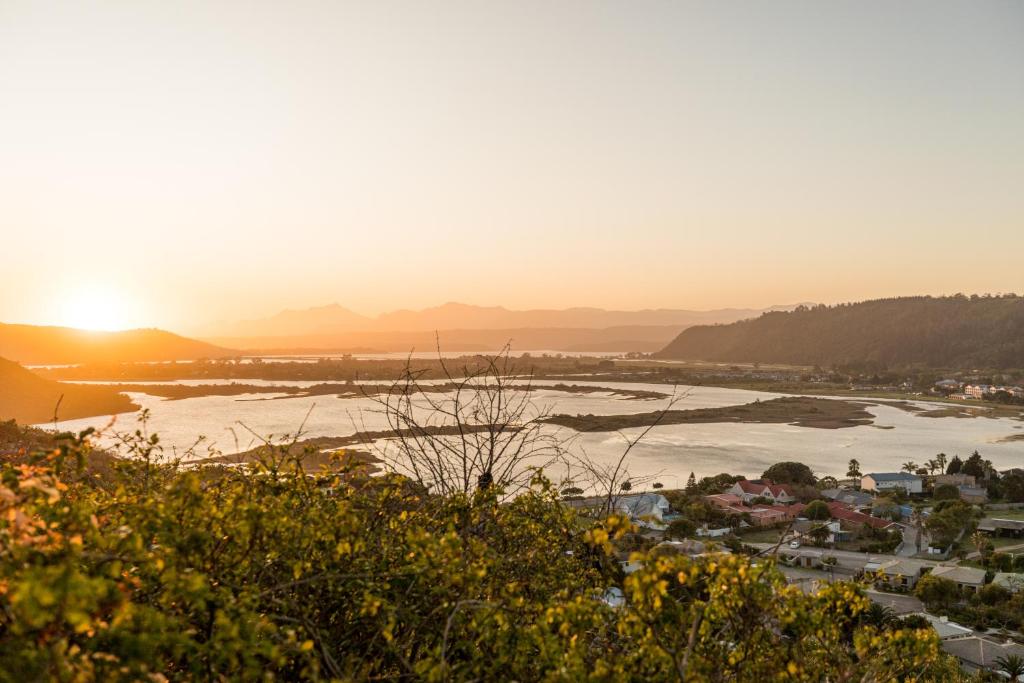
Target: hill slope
{"x": 950, "y": 332}
{"x": 34, "y": 344}
{"x": 30, "y": 399}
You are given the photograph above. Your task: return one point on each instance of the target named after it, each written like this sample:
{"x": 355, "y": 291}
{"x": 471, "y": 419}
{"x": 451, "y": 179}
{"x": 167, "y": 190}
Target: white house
{"x": 887, "y": 481}
{"x": 645, "y": 509}
{"x": 748, "y": 490}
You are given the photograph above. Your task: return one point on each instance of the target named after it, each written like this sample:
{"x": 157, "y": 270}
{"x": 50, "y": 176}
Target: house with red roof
{"x": 853, "y": 520}
{"x": 749, "y": 489}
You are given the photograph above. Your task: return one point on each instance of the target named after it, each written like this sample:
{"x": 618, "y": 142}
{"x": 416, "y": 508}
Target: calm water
{"x": 670, "y": 452}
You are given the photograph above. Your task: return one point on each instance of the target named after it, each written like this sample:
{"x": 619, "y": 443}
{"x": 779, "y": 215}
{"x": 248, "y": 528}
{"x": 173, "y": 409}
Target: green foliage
{"x": 268, "y": 572}
{"x": 946, "y": 492}
{"x": 680, "y": 528}
{"x": 936, "y": 592}
{"x": 950, "y": 520}
{"x": 790, "y": 473}
{"x": 817, "y": 510}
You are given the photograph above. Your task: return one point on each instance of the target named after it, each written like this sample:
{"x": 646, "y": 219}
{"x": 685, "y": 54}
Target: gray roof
{"x": 856, "y": 498}
{"x": 637, "y": 504}
{"x": 968, "y": 575}
{"x": 891, "y": 476}
{"x": 945, "y": 628}
{"x": 980, "y": 652}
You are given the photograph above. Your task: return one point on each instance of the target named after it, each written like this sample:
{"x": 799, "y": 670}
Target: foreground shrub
{"x": 267, "y": 572}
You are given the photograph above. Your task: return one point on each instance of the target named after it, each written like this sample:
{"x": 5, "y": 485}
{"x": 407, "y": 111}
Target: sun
{"x": 94, "y": 307}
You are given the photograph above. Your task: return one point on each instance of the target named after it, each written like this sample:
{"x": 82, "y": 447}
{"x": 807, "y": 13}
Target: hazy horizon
{"x": 181, "y": 165}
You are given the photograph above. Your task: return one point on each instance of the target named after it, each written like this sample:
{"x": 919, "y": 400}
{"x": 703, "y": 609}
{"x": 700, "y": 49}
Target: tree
{"x": 936, "y": 592}
{"x": 910, "y": 466}
{"x": 680, "y": 528}
{"x": 1013, "y": 487}
{"x": 974, "y": 466}
{"x": 950, "y": 519}
{"x": 955, "y": 465}
{"x": 879, "y": 616}
{"x": 946, "y": 492}
{"x": 940, "y": 462}
{"x": 790, "y": 473}
{"x": 657, "y": 485}
{"x": 1012, "y": 666}
{"x": 817, "y": 510}
{"x": 828, "y": 483}
{"x": 691, "y": 483}
{"x": 853, "y": 469}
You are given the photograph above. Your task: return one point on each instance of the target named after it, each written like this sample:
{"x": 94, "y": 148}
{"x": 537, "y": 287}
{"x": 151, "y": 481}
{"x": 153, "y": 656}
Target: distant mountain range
{"x": 940, "y": 332}
{"x": 471, "y": 328}
{"x": 39, "y": 345}
{"x": 30, "y": 399}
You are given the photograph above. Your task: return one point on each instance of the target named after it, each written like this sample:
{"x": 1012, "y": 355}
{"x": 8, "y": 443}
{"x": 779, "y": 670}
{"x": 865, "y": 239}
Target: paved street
{"x": 847, "y": 559}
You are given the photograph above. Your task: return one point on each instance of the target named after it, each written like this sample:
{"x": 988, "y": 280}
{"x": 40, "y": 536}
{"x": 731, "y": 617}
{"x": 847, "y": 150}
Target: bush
{"x": 269, "y": 572}
{"x": 946, "y": 492}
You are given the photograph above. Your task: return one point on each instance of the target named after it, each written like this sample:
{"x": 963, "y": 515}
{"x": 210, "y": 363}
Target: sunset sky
{"x": 178, "y": 163}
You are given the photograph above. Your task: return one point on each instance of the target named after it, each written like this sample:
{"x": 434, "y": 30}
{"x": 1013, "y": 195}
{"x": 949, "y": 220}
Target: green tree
{"x": 790, "y": 473}
{"x": 949, "y": 521}
{"x": 853, "y": 469}
{"x": 974, "y": 466}
{"x": 936, "y": 592}
{"x": 817, "y": 510}
{"x": 955, "y": 465}
{"x": 679, "y": 529}
{"x": 946, "y": 492}
{"x": 910, "y": 466}
{"x": 1012, "y": 666}
{"x": 691, "y": 483}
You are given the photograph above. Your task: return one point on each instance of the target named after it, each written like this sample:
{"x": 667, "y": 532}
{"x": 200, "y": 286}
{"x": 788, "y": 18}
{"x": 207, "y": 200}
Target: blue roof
{"x": 892, "y": 476}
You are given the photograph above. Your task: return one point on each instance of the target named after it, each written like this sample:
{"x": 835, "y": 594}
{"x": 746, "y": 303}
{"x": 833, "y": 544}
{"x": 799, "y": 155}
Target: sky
{"x": 180, "y": 163}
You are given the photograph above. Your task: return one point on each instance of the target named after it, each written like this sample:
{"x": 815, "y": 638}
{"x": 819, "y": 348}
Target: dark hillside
{"x": 948, "y": 332}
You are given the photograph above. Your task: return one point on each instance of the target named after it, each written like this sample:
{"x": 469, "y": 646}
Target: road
{"x": 848, "y": 559}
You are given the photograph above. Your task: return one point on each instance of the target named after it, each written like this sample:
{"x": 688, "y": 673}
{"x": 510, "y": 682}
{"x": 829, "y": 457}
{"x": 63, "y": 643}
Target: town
{"x": 939, "y": 545}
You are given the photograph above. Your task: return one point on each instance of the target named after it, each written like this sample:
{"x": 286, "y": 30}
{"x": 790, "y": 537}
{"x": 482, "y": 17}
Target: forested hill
{"x": 29, "y": 399}
{"x": 39, "y": 345}
{"x": 946, "y": 332}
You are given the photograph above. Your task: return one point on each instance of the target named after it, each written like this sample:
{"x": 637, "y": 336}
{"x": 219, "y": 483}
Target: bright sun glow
{"x": 97, "y": 308}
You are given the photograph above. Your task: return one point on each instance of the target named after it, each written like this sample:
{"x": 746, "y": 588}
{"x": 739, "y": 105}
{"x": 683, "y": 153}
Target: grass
{"x": 1006, "y": 514}
{"x": 761, "y": 536}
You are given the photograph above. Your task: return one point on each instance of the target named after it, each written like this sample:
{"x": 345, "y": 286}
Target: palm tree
{"x": 1012, "y": 666}
{"x": 879, "y": 616}
{"x": 940, "y": 461}
{"x": 910, "y": 466}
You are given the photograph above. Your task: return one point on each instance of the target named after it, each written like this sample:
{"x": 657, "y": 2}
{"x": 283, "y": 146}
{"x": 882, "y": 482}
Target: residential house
{"x": 973, "y": 494}
{"x": 887, "y": 481}
{"x": 803, "y": 528}
{"x": 748, "y": 490}
{"x": 1001, "y": 527}
{"x": 945, "y": 628}
{"x": 855, "y": 499}
{"x": 644, "y": 509}
{"x": 1010, "y": 581}
{"x": 855, "y": 521}
{"x": 724, "y": 500}
{"x": 958, "y": 479}
{"x": 976, "y": 653}
{"x": 969, "y": 579}
{"x": 898, "y": 573}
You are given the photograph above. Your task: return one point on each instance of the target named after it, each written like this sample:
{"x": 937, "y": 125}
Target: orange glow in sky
{"x": 179, "y": 164}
